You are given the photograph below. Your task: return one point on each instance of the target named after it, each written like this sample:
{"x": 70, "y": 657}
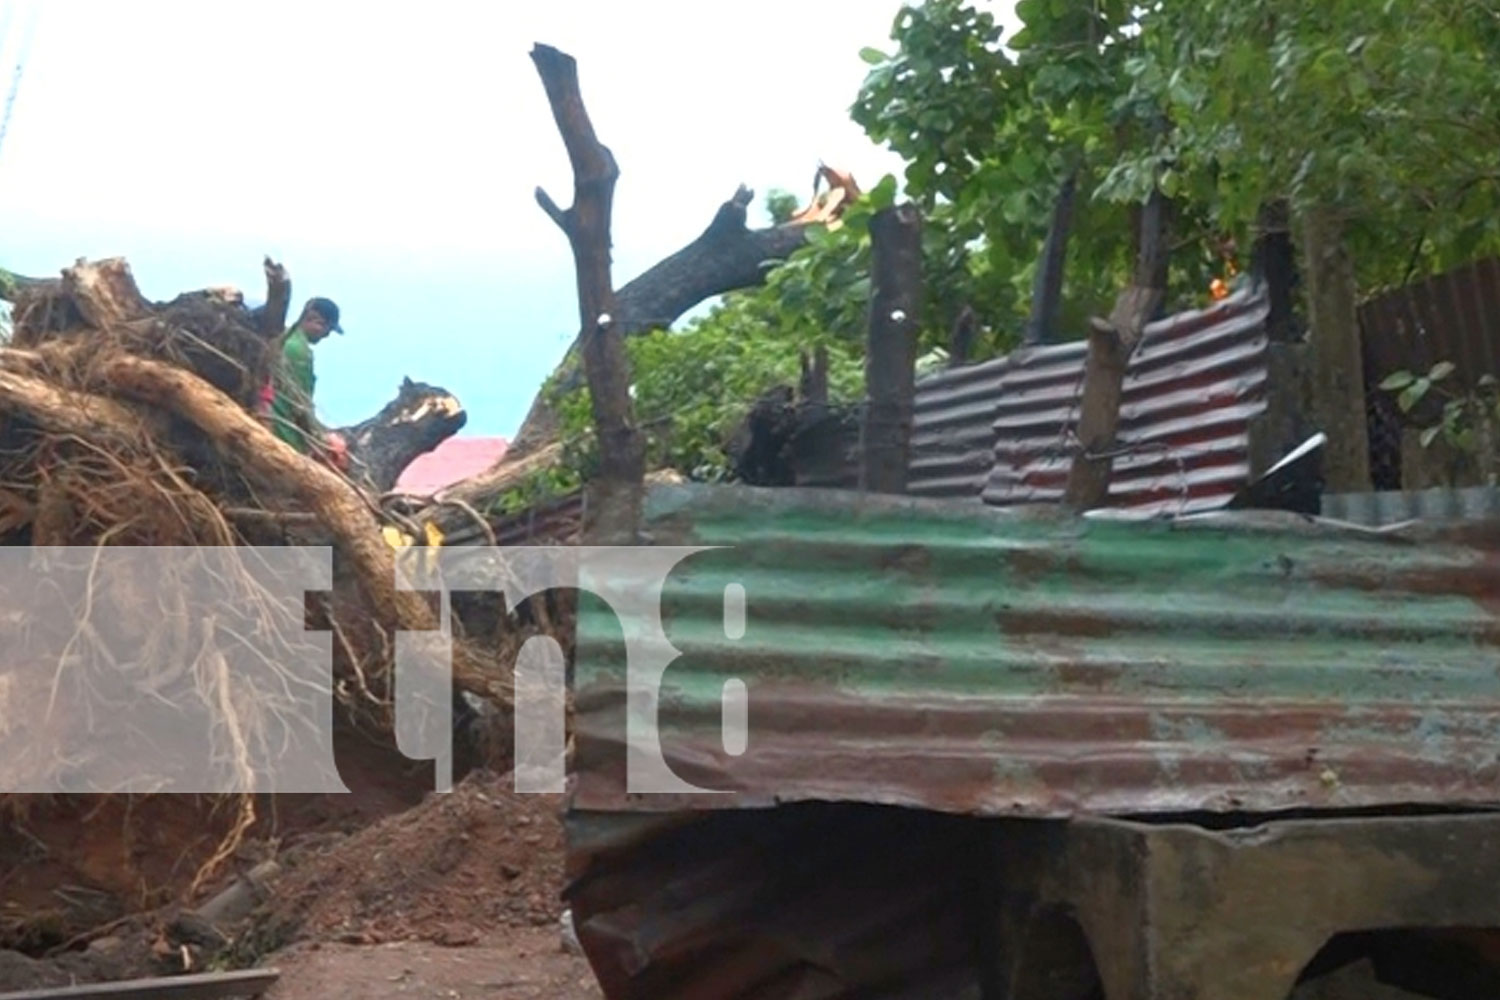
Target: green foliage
{"x": 989, "y": 137}
{"x": 1465, "y": 412}
{"x": 781, "y": 205}
{"x": 1383, "y": 111}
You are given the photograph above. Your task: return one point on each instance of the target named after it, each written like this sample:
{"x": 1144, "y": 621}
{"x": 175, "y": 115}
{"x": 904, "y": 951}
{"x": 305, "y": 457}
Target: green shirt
{"x": 291, "y": 409}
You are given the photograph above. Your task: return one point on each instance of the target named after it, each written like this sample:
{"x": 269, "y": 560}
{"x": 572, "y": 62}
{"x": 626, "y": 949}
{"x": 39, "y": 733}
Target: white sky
{"x": 387, "y": 154}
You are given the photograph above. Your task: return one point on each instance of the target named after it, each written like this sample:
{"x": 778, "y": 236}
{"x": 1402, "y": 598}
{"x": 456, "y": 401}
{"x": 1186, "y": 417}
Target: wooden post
{"x": 1335, "y": 359}
{"x": 617, "y": 507}
{"x": 1274, "y": 261}
{"x": 890, "y": 364}
{"x": 1111, "y": 343}
{"x": 1046, "y": 289}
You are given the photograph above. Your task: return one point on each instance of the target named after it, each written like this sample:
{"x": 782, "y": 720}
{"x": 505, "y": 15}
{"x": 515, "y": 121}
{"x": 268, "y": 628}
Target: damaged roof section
{"x": 1026, "y": 662}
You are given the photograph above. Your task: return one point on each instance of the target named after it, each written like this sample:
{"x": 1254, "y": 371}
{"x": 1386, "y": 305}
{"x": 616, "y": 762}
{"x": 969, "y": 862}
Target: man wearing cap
{"x": 291, "y": 408}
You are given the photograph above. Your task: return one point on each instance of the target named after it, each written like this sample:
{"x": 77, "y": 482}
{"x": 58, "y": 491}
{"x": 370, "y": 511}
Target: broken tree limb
{"x": 105, "y": 293}
{"x": 1112, "y": 342}
{"x": 890, "y": 365}
{"x": 420, "y": 418}
{"x": 616, "y": 511}
{"x": 726, "y": 256}
{"x": 272, "y": 318}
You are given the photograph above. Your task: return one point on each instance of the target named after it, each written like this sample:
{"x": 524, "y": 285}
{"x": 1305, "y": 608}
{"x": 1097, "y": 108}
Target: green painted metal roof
{"x": 1025, "y": 661}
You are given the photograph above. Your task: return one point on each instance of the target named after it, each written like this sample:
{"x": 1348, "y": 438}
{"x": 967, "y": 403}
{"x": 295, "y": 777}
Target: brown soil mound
{"x": 451, "y": 870}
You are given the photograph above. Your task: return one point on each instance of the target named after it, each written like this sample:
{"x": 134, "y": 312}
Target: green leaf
{"x": 1413, "y": 394}
{"x": 1441, "y": 370}
{"x": 1398, "y": 380}
{"x": 1430, "y": 434}
{"x": 883, "y": 195}
{"x": 872, "y": 56}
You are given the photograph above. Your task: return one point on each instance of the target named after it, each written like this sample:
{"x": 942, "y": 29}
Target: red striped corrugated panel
{"x": 1193, "y": 386}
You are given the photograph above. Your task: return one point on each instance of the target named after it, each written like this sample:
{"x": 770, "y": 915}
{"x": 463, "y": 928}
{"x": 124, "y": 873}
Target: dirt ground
{"x": 453, "y": 871}
{"x": 525, "y": 964}
{"x": 383, "y": 893}
{"x": 458, "y": 897}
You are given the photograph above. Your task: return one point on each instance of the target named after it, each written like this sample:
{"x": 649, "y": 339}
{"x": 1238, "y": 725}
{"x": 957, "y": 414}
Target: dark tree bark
{"x": 726, "y": 256}
{"x": 1274, "y": 261}
{"x": 961, "y": 338}
{"x": 890, "y": 363}
{"x": 1336, "y": 360}
{"x": 271, "y": 317}
{"x": 1111, "y": 344}
{"x": 616, "y": 511}
{"x": 1046, "y": 293}
{"x": 420, "y": 418}
{"x": 812, "y": 388}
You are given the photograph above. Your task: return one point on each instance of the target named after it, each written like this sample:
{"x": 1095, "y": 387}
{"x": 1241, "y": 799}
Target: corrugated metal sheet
{"x": 1451, "y": 317}
{"x": 953, "y": 435}
{"x": 964, "y": 659}
{"x": 1395, "y": 507}
{"x": 1193, "y": 386}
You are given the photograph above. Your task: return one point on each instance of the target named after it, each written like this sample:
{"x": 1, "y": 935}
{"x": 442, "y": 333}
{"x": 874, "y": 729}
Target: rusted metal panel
{"x": 1195, "y": 383}
{"x": 955, "y": 657}
{"x": 1453, "y": 317}
{"x": 816, "y": 902}
{"x": 1396, "y": 506}
{"x": 953, "y": 436}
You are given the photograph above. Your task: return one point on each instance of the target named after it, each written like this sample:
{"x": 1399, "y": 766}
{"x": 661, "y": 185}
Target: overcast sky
{"x": 387, "y": 153}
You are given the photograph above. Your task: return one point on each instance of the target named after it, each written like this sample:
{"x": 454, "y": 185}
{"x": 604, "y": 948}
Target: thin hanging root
{"x": 246, "y": 817}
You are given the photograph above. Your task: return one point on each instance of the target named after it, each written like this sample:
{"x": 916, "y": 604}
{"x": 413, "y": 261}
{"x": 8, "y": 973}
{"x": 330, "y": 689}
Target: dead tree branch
{"x": 586, "y": 224}
{"x": 272, "y": 319}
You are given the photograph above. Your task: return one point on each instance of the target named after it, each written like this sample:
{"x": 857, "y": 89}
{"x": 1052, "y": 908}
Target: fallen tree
{"x": 130, "y": 423}
{"x": 725, "y": 257}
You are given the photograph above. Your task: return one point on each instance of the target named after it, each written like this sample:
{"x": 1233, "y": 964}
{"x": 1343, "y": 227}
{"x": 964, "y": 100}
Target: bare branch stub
{"x": 1111, "y": 344}
{"x": 587, "y": 226}
{"x": 278, "y": 301}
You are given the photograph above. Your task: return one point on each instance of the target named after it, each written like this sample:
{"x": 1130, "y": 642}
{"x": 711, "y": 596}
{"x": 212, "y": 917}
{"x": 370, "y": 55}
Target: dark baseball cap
{"x": 329, "y": 312}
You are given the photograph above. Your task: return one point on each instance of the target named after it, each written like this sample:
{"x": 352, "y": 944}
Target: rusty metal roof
{"x": 952, "y": 656}
{"x": 1193, "y": 386}
{"x": 1451, "y": 317}
{"x": 953, "y": 435}
{"x": 1004, "y": 429}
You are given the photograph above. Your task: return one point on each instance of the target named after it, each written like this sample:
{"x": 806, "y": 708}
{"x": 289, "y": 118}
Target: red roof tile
{"x": 455, "y": 459}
